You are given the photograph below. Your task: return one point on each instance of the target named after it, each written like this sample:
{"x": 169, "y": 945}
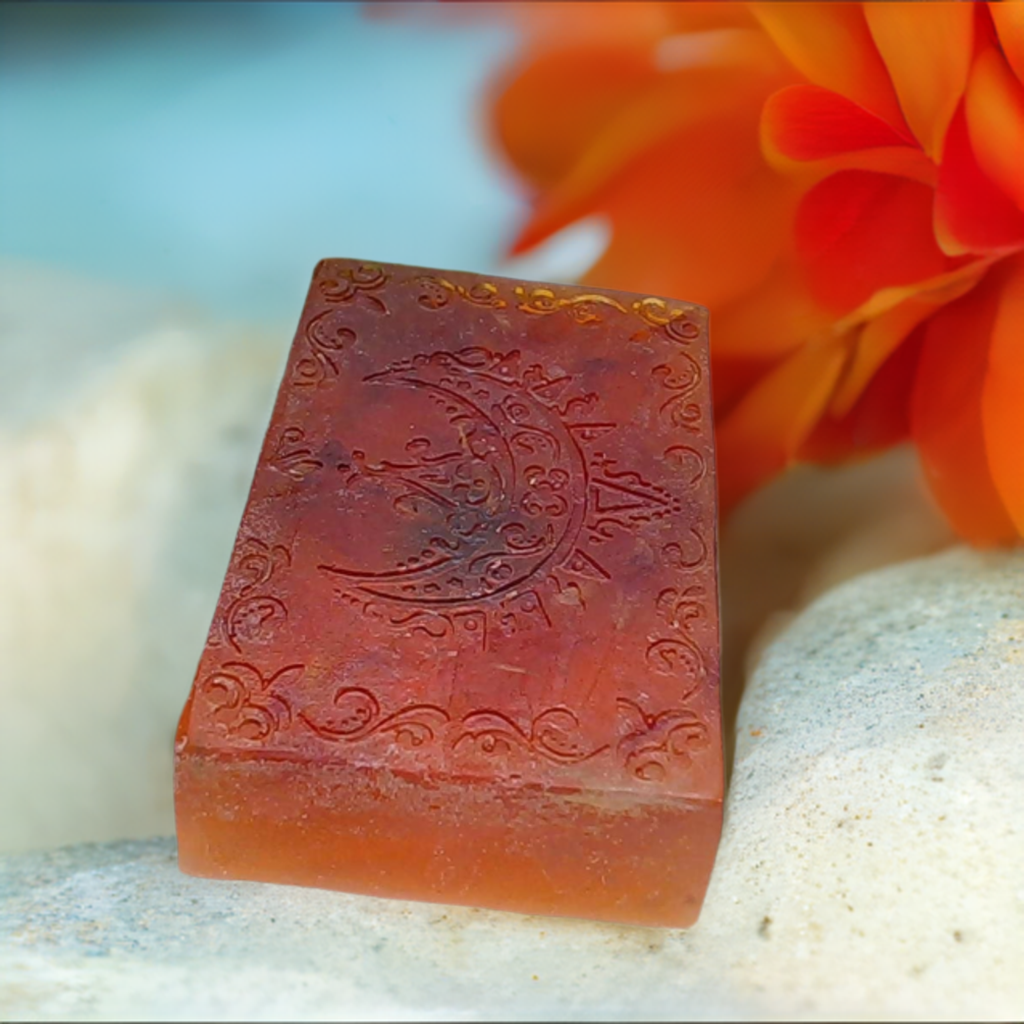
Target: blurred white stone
{"x": 811, "y": 529}
{"x": 872, "y": 866}
{"x": 126, "y": 452}
{"x": 117, "y": 932}
{"x": 876, "y": 808}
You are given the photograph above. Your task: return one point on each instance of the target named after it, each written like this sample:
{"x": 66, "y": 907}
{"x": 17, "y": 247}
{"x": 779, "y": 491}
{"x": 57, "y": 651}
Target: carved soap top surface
{"x": 480, "y": 538}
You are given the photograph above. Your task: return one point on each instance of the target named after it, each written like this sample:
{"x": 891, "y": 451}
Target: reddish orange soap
{"x": 467, "y": 648}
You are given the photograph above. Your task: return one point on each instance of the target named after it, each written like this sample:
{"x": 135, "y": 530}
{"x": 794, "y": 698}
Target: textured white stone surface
{"x": 129, "y": 429}
{"x": 876, "y": 812}
{"x": 872, "y": 865}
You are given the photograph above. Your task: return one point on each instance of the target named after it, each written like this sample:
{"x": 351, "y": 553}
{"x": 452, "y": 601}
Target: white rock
{"x": 876, "y": 810}
{"x": 126, "y": 453}
{"x": 809, "y": 530}
{"x": 872, "y": 865}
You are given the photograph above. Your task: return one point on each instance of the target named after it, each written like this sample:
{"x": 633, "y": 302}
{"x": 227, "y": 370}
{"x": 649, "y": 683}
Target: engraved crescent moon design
{"x": 504, "y": 489}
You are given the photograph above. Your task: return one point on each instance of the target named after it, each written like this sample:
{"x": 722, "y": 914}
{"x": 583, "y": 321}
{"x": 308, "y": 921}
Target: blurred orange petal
{"x": 756, "y": 331}
{"x": 548, "y": 108}
{"x": 809, "y": 133}
{"x": 764, "y": 431}
{"x": 885, "y": 326}
{"x": 685, "y": 226}
{"x": 902, "y": 161}
{"x": 771, "y": 320}
{"x": 840, "y": 183}
{"x": 831, "y": 45}
{"x": 614, "y": 21}
{"x": 927, "y": 50}
{"x": 700, "y": 15}
{"x": 972, "y": 214}
{"x": 946, "y": 416}
{"x": 1009, "y": 22}
{"x": 1002, "y": 396}
{"x": 732, "y": 377}
{"x": 877, "y": 341}
{"x": 994, "y": 107}
{"x": 715, "y": 108}
{"x": 806, "y": 122}
{"x": 877, "y": 419}
{"x": 858, "y": 232}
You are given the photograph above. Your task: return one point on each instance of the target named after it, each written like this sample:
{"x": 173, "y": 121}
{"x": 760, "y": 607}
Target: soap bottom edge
{"x": 368, "y": 831}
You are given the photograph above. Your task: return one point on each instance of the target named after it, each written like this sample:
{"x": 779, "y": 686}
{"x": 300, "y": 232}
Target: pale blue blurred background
{"x": 216, "y": 151}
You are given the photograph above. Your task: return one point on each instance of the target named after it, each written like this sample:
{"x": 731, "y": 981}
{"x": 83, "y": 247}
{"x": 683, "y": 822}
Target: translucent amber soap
{"x": 466, "y": 649}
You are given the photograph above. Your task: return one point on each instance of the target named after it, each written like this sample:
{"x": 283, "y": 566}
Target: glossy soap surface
{"x": 467, "y": 645}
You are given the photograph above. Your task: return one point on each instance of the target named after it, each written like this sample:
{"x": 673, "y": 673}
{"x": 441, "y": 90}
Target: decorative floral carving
{"x": 356, "y": 715}
{"x": 657, "y": 745}
{"x": 250, "y": 617}
{"x": 584, "y": 308}
{"x": 680, "y": 658}
{"x": 680, "y": 608}
{"x": 675, "y": 322}
{"x": 554, "y": 735}
{"x": 247, "y": 705}
{"x": 347, "y": 285}
{"x": 437, "y": 292}
{"x": 244, "y": 704}
{"x": 676, "y": 558}
{"x": 326, "y": 337}
{"x": 681, "y": 456}
{"x": 292, "y": 455}
{"x": 681, "y": 379}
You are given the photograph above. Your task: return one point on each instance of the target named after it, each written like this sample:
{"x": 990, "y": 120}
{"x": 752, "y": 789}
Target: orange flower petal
{"x": 994, "y": 107}
{"x": 1002, "y": 397}
{"x": 972, "y": 214}
{"x": 694, "y": 209}
{"x": 878, "y": 419}
{"x": 732, "y": 377}
{"x": 858, "y": 232}
{"x": 769, "y": 321}
{"x": 686, "y": 226}
{"x": 715, "y": 108}
{"x": 902, "y": 161}
{"x": 1009, "y": 22}
{"x": 546, "y": 110}
{"x": 699, "y": 15}
{"x": 755, "y": 332}
{"x": 887, "y": 325}
{"x": 830, "y": 44}
{"x": 806, "y": 122}
{"x": 613, "y": 21}
{"x": 766, "y": 428}
{"x": 946, "y": 416}
{"x": 927, "y": 50}
{"x": 877, "y": 341}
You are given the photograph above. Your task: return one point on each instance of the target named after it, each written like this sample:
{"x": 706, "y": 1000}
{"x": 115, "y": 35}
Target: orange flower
{"x": 841, "y": 184}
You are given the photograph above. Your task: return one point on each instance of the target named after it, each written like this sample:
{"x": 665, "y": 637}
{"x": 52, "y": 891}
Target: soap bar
{"x": 466, "y": 649}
